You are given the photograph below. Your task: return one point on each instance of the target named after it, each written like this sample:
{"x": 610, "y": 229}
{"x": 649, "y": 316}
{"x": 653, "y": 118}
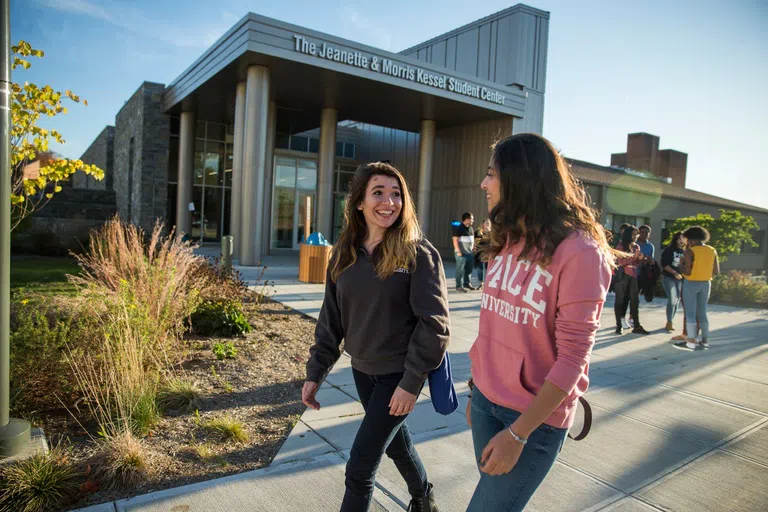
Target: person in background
{"x": 386, "y": 297}
{"x": 699, "y": 265}
{"x": 463, "y": 248}
{"x": 627, "y": 286}
{"x": 618, "y": 272}
{"x": 646, "y": 247}
{"x": 549, "y": 266}
{"x": 481, "y": 238}
{"x": 671, "y": 278}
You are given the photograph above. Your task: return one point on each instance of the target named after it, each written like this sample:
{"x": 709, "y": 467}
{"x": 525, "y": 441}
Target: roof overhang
{"x": 310, "y": 70}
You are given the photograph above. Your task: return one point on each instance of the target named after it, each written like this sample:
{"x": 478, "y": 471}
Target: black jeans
{"x": 627, "y": 293}
{"x": 378, "y": 433}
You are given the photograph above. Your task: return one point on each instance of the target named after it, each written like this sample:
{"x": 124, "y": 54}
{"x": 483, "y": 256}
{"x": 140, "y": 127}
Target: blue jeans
{"x": 481, "y": 267}
{"x": 696, "y": 296}
{"x": 379, "y": 433}
{"x": 464, "y": 266}
{"x": 510, "y": 492}
{"x": 673, "y": 288}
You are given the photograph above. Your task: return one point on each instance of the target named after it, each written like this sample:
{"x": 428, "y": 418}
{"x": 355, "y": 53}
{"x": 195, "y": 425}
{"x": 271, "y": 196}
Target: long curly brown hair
{"x": 398, "y": 247}
{"x": 541, "y": 202}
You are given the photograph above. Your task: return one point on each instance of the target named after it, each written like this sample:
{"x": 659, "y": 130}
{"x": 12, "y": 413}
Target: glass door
{"x": 283, "y": 203}
{"x": 306, "y": 193}
{"x": 295, "y": 182}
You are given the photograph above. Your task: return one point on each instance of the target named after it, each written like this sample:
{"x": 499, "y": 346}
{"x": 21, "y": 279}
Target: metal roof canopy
{"x": 308, "y": 83}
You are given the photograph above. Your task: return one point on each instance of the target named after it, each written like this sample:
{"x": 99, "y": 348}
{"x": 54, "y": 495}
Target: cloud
{"x": 133, "y": 20}
{"x": 358, "y": 27}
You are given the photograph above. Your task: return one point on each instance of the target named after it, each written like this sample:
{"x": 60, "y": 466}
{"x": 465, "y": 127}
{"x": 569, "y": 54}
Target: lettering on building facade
{"x": 388, "y": 67}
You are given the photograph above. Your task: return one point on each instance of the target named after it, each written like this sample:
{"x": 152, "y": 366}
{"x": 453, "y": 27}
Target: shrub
{"x": 178, "y": 395}
{"x": 228, "y": 428}
{"x": 121, "y": 462}
{"x": 222, "y": 318}
{"x": 735, "y": 287}
{"x": 120, "y": 390}
{"x": 38, "y": 347}
{"x": 43, "y": 482}
{"x": 156, "y": 280}
{"x": 225, "y": 350}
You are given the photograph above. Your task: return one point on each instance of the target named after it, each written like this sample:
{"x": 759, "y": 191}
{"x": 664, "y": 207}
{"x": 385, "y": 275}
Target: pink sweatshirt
{"x": 539, "y": 324}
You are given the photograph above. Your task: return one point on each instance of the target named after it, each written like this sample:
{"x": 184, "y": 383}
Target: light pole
{"x": 14, "y": 434}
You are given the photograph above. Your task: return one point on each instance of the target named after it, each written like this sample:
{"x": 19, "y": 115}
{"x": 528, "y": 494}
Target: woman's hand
{"x": 402, "y": 402}
{"x": 678, "y": 276}
{"x": 308, "y": 395}
{"x": 501, "y": 454}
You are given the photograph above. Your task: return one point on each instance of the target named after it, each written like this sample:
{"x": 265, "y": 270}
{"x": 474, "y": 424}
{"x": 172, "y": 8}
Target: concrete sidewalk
{"x": 672, "y": 430}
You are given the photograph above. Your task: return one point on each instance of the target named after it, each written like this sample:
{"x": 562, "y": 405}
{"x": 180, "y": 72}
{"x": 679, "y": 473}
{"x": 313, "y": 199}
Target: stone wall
{"x": 141, "y": 157}
{"x": 102, "y": 154}
{"x": 65, "y": 223}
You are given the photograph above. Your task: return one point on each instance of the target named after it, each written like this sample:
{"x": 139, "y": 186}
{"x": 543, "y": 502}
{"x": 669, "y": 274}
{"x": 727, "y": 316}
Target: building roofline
{"x": 667, "y": 189}
{"x": 492, "y": 17}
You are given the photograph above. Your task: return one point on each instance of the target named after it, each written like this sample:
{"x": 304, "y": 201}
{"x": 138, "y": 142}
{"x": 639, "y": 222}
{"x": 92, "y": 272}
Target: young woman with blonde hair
{"x": 386, "y": 297}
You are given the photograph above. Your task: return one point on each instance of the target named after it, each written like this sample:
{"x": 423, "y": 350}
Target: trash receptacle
{"x": 313, "y": 262}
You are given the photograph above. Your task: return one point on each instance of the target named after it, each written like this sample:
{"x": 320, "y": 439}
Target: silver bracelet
{"x": 517, "y": 437}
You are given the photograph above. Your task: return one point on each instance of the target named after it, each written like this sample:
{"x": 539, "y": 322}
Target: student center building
{"x": 274, "y": 118}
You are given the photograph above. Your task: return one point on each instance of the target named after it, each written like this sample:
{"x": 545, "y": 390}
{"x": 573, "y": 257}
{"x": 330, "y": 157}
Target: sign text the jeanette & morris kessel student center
{"x": 388, "y": 67}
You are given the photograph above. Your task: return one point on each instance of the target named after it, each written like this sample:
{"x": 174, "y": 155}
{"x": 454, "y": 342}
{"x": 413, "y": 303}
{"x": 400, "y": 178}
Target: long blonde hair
{"x": 398, "y": 247}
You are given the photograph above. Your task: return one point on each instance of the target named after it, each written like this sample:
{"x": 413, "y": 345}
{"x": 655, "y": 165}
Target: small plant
{"x": 225, "y": 350}
{"x": 178, "y": 395}
{"x": 222, "y": 317}
{"x": 145, "y": 414}
{"x": 43, "y": 482}
{"x": 221, "y": 382}
{"x": 228, "y": 428}
{"x": 739, "y": 288}
{"x": 121, "y": 462}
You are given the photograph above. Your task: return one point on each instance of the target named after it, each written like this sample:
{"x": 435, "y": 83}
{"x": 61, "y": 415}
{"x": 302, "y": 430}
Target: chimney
{"x": 642, "y": 149}
{"x": 673, "y": 164}
{"x": 618, "y": 159}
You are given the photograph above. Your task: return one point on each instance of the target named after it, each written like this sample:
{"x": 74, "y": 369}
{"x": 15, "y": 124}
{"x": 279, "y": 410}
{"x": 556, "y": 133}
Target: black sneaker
{"x": 639, "y": 330}
{"x": 460, "y": 289}
{"x": 619, "y": 330}
{"x": 470, "y": 287}
{"x": 704, "y": 344}
{"x": 683, "y": 345}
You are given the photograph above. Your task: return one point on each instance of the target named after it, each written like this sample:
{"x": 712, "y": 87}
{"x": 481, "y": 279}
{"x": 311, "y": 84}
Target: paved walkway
{"x": 672, "y": 430}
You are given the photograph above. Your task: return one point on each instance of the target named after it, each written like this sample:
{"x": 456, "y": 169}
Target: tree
{"x": 729, "y": 232}
{"x": 29, "y": 142}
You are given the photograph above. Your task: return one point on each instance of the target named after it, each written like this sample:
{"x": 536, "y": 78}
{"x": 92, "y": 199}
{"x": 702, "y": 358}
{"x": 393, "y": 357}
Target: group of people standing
{"x": 688, "y": 265}
{"x": 548, "y": 272}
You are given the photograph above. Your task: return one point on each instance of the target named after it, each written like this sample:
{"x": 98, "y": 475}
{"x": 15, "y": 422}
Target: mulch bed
{"x": 261, "y": 387}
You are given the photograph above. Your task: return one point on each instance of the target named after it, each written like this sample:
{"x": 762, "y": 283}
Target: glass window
{"x": 282, "y": 141}
{"x": 349, "y": 150}
{"x": 170, "y": 220}
{"x": 283, "y": 203}
{"x": 216, "y": 131}
{"x": 314, "y": 145}
{"x": 197, "y": 200}
{"x": 299, "y": 143}
{"x": 175, "y": 125}
{"x": 759, "y": 238}
{"x": 199, "y": 162}
{"x": 173, "y": 160}
{"x": 227, "y": 196}
{"x": 214, "y": 160}
{"x": 212, "y": 214}
{"x": 339, "y": 149}
{"x": 200, "y": 129}
{"x": 228, "y": 162}
{"x": 608, "y": 222}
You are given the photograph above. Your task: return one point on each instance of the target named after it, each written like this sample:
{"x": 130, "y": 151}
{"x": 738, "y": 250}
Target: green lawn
{"x": 46, "y": 276}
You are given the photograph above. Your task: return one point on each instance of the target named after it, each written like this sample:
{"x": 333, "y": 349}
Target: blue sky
{"x": 693, "y": 72}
